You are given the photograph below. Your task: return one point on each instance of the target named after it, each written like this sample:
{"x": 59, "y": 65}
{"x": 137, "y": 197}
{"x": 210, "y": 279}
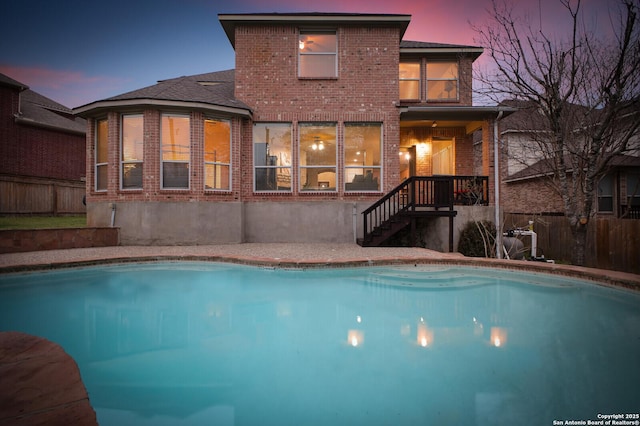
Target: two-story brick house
{"x": 324, "y": 115}
{"x": 42, "y": 153}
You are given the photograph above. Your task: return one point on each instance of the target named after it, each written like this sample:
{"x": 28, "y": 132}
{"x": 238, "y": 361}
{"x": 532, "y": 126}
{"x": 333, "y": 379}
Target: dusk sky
{"x": 76, "y": 52}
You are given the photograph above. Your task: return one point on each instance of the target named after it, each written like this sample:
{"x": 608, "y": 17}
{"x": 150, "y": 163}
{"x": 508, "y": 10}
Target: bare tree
{"x": 583, "y": 89}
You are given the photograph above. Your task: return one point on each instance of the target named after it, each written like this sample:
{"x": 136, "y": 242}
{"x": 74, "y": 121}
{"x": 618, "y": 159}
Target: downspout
{"x": 355, "y": 223}
{"x": 496, "y": 177}
{"x": 113, "y": 214}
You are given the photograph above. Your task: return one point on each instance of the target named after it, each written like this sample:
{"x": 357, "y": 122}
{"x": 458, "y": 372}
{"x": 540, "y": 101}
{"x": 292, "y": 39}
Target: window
{"x": 272, "y": 156}
{"x": 101, "y": 155}
{"x": 362, "y": 148}
{"x": 217, "y": 154}
{"x": 442, "y": 81}
{"x": 132, "y": 146}
{"x": 605, "y": 194}
{"x": 176, "y": 151}
{"x": 317, "y": 157}
{"x": 633, "y": 190}
{"x": 318, "y": 57}
{"x": 409, "y": 80}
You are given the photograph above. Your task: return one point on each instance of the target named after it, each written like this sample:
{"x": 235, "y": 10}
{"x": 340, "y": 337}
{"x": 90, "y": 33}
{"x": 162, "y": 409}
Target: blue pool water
{"x": 221, "y": 344}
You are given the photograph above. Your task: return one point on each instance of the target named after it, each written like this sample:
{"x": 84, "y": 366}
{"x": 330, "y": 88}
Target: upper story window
{"x": 101, "y": 155}
{"x": 132, "y": 146}
{"x": 317, "y": 54}
{"x": 409, "y": 80}
{"x": 317, "y": 156}
{"x": 175, "y": 151}
{"x": 605, "y": 194}
{"x": 272, "y": 156}
{"x": 217, "y": 154}
{"x": 442, "y": 81}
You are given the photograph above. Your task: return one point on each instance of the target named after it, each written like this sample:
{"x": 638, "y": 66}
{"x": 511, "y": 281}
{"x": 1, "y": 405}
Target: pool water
{"x": 223, "y": 344}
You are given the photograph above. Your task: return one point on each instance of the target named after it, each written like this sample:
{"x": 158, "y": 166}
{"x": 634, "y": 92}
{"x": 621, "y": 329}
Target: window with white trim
{"x": 317, "y": 54}
{"x": 175, "y": 135}
{"x": 217, "y": 154}
{"x": 102, "y": 155}
{"x": 132, "y": 147}
{"x": 362, "y": 156}
{"x": 442, "y": 81}
{"x": 317, "y": 156}
{"x": 272, "y": 157}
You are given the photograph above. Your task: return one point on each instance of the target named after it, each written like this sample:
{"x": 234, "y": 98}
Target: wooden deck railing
{"x": 423, "y": 193}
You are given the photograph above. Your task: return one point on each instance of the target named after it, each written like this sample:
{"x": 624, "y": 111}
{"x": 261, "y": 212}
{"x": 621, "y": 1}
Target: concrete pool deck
{"x": 26, "y": 367}
{"x": 292, "y": 255}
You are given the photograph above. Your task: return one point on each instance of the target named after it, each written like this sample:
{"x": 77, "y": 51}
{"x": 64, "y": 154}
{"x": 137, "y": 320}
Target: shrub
{"x": 477, "y": 239}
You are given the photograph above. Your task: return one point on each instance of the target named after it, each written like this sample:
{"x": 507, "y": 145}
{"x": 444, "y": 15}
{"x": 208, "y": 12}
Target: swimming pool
{"x": 214, "y": 343}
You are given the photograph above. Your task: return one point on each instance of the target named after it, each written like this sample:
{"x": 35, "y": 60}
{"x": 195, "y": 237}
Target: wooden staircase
{"x": 418, "y": 196}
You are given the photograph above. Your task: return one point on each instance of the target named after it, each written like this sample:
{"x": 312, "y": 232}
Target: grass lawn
{"x": 42, "y": 222}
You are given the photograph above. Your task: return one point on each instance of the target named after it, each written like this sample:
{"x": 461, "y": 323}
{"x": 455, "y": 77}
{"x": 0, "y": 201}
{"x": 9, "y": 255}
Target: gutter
{"x": 32, "y": 122}
{"x": 496, "y": 173}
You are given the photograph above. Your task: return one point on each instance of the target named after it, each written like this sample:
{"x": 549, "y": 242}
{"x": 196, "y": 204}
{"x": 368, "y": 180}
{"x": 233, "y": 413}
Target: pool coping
{"x": 298, "y": 256}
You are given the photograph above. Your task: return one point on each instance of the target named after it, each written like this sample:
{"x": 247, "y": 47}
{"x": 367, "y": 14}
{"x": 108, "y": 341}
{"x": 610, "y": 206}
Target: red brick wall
{"x": 366, "y": 90}
{"x": 35, "y": 151}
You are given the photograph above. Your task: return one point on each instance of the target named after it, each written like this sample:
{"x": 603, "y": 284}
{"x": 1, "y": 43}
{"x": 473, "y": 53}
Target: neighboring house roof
{"x": 8, "y": 81}
{"x": 545, "y": 167}
{"x": 40, "y": 111}
{"x": 229, "y": 21}
{"x": 210, "y": 91}
{"x": 421, "y": 47}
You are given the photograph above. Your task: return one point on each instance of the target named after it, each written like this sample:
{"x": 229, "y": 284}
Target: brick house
{"x": 42, "y": 153}
{"x": 331, "y": 128}
{"x": 525, "y": 172}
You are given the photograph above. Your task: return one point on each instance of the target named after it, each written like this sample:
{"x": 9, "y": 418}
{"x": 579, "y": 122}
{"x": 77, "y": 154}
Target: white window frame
{"x": 163, "y": 161}
{"x": 276, "y": 167}
{"x": 348, "y": 165}
{"x": 306, "y": 167}
{"x": 218, "y": 163}
{"x": 104, "y": 164}
{"x": 303, "y": 33}
{"x": 124, "y": 162}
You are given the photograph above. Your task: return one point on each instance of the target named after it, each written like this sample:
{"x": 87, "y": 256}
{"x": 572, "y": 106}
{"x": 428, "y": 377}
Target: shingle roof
{"x": 409, "y": 44}
{"x": 545, "y": 167}
{"x": 8, "y": 81}
{"x": 38, "y": 110}
{"x": 215, "y": 88}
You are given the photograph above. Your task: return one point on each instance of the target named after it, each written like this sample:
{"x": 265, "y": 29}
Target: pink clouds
{"x": 69, "y": 88}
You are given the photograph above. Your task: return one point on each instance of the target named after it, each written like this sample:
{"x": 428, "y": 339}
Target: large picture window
{"x": 317, "y": 157}
{"x": 409, "y": 80}
{"x": 318, "y": 54}
{"x": 442, "y": 81}
{"x": 362, "y": 156}
{"x": 132, "y": 147}
{"x": 176, "y": 151}
{"x": 101, "y": 155}
{"x": 272, "y": 156}
{"x": 217, "y": 154}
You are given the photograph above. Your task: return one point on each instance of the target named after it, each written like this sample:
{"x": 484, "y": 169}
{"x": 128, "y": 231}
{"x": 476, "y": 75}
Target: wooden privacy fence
{"x": 40, "y": 196}
{"x": 611, "y": 243}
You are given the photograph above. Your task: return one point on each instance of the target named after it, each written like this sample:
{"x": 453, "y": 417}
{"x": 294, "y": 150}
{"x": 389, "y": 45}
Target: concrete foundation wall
{"x": 162, "y": 223}
{"x": 326, "y": 222}
{"x": 180, "y": 223}
{"x": 435, "y": 233}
